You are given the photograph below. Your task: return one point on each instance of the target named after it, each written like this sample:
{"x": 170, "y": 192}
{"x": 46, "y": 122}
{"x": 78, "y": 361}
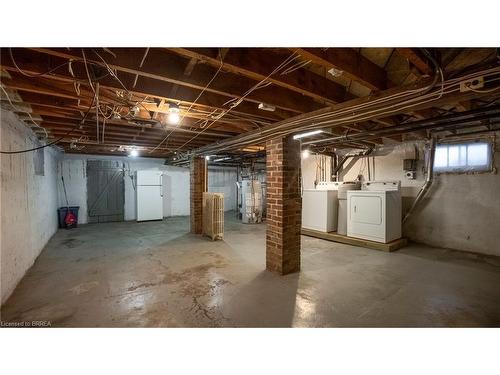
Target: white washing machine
{"x": 374, "y": 213}
{"x": 319, "y": 210}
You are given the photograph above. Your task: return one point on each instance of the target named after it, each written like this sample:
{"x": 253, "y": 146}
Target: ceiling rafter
{"x": 150, "y": 87}
{"x": 353, "y": 65}
{"x": 255, "y": 65}
{"x": 166, "y": 67}
{"x": 417, "y": 60}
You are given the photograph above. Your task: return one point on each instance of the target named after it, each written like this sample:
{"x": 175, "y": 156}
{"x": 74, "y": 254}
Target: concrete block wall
{"x": 283, "y": 205}
{"x": 28, "y": 202}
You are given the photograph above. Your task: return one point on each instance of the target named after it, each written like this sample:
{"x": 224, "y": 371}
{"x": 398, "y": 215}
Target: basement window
{"x": 39, "y": 162}
{"x": 472, "y": 156}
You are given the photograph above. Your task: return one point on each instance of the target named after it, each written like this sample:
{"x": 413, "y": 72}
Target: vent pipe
{"x": 428, "y": 179}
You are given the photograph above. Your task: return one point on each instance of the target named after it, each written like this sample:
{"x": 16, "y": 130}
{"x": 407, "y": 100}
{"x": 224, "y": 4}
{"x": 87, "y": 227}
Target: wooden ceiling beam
{"x": 118, "y": 142}
{"x": 257, "y": 64}
{"x": 417, "y": 60}
{"x": 143, "y": 133}
{"x": 126, "y": 140}
{"x": 145, "y": 86}
{"x": 307, "y": 119}
{"x": 138, "y": 140}
{"x": 170, "y": 68}
{"x": 353, "y": 65}
{"x": 61, "y": 90}
{"x": 45, "y": 105}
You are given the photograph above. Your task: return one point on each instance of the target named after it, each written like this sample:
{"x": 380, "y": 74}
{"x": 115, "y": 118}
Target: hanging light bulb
{"x": 173, "y": 114}
{"x": 135, "y": 110}
{"x": 133, "y": 153}
{"x": 305, "y": 154}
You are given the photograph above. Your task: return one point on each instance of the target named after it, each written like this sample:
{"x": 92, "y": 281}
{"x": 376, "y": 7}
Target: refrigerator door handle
{"x": 161, "y": 185}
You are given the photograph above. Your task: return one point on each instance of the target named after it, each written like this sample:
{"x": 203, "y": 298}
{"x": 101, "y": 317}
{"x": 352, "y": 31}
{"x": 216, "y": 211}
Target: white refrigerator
{"x": 149, "y": 190}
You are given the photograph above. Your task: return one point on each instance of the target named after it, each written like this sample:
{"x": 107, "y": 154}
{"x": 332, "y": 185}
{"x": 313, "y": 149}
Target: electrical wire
{"x": 260, "y": 84}
{"x": 193, "y": 103}
{"x": 485, "y": 91}
{"x": 87, "y": 70}
{"x": 17, "y": 109}
{"x": 140, "y": 65}
{"x": 97, "y": 111}
{"x": 57, "y": 140}
{"x": 354, "y": 108}
{"x": 34, "y": 75}
{"x": 379, "y": 107}
{"x": 115, "y": 76}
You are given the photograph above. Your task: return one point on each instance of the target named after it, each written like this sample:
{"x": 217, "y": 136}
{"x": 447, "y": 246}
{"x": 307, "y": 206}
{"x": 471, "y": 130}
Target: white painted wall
{"x": 310, "y": 167}
{"x": 28, "y": 205}
{"x": 175, "y": 180}
{"x": 461, "y": 211}
{"x": 223, "y": 180}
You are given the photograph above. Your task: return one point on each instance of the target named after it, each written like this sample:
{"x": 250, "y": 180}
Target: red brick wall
{"x": 198, "y": 184}
{"x": 284, "y": 205}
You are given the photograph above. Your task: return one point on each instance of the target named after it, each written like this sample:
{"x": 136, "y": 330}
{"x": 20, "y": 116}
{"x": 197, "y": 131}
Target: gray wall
{"x": 176, "y": 184}
{"x": 28, "y": 202}
{"x": 461, "y": 211}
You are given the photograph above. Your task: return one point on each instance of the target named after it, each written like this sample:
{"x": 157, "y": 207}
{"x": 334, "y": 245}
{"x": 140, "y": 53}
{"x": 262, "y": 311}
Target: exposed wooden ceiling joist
{"x": 416, "y": 58}
{"x": 353, "y": 65}
{"x": 291, "y": 126}
{"x": 158, "y": 77}
{"x": 144, "y": 87}
{"x": 166, "y": 67}
{"x": 250, "y": 63}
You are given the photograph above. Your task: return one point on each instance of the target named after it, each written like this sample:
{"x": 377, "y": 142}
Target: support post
{"x": 284, "y": 205}
{"x": 198, "y": 184}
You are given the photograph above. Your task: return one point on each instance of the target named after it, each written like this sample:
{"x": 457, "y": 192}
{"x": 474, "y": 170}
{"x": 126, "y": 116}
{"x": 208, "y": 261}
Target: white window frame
{"x": 463, "y": 169}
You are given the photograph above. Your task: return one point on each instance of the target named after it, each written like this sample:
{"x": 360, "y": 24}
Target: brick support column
{"x": 198, "y": 184}
{"x": 284, "y": 205}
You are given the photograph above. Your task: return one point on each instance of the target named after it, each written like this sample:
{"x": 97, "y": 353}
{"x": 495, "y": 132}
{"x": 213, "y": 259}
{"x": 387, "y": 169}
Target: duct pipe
{"x": 471, "y": 117}
{"x": 341, "y": 163}
{"x": 428, "y": 179}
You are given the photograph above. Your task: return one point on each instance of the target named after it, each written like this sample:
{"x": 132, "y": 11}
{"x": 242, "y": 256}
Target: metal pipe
{"x": 428, "y": 180}
{"x": 444, "y": 121}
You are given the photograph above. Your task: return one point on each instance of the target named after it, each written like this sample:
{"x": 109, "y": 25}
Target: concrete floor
{"x": 155, "y": 274}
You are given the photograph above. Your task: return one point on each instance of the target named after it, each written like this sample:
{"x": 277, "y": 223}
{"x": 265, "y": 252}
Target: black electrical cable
{"x": 53, "y": 69}
{"x": 57, "y": 140}
{"x": 34, "y": 75}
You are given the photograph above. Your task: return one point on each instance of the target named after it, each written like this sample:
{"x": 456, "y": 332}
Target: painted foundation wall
{"x": 309, "y": 169}
{"x": 28, "y": 205}
{"x": 175, "y": 180}
{"x": 460, "y": 211}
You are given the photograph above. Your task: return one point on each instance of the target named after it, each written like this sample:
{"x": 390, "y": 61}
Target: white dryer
{"x": 374, "y": 213}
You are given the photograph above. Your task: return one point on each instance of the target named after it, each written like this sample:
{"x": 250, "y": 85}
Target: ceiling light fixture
{"x": 305, "y": 154}
{"x": 135, "y": 110}
{"x": 336, "y": 72}
{"x": 307, "y": 134}
{"x": 173, "y": 114}
{"x": 267, "y": 107}
{"x": 133, "y": 153}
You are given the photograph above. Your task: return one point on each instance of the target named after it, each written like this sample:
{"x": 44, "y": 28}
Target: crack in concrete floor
{"x": 157, "y": 274}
